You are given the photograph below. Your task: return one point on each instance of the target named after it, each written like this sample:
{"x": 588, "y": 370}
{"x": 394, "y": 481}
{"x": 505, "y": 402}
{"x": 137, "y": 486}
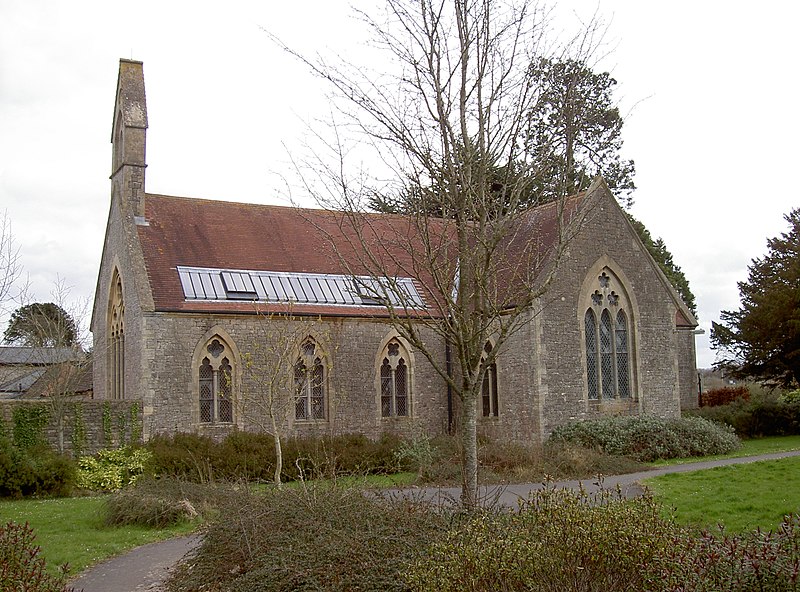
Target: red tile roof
{"x": 216, "y": 234}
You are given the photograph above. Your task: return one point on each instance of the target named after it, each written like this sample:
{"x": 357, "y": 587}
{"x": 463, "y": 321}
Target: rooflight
{"x": 206, "y": 284}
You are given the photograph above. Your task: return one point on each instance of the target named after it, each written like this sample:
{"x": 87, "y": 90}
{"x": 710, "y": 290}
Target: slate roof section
{"x": 36, "y": 356}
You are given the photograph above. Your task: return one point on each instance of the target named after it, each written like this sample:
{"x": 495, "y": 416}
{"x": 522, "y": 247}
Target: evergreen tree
{"x": 761, "y": 340}
{"x": 576, "y": 130}
{"x": 41, "y": 325}
{"x": 658, "y": 250}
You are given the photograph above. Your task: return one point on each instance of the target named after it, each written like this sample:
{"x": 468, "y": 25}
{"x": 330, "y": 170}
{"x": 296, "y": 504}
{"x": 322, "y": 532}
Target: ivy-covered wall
{"x": 88, "y": 426}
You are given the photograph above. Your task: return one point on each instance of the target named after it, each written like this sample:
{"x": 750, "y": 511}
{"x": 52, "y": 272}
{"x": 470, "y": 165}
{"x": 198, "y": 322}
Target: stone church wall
{"x": 351, "y": 348}
{"x": 606, "y": 237}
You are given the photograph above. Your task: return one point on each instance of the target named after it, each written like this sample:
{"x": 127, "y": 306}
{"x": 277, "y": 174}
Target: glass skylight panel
{"x": 302, "y": 288}
{"x": 186, "y": 284}
{"x": 238, "y": 286}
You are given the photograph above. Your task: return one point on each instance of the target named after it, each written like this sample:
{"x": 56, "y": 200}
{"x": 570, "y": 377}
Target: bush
{"x": 161, "y": 503}
{"x": 724, "y": 395}
{"x": 558, "y": 540}
{"x": 36, "y": 471}
{"x": 182, "y": 455}
{"x": 647, "y": 438}
{"x": 790, "y": 396}
{"x": 753, "y": 561}
{"x": 251, "y": 457}
{"x": 21, "y": 567}
{"x": 310, "y": 538}
{"x": 112, "y": 469}
{"x": 760, "y": 416}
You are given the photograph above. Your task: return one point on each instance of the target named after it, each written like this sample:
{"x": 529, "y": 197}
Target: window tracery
{"x": 215, "y": 381}
{"x": 309, "y": 380}
{"x": 116, "y": 337}
{"x": 607, "y": 341}
{"x": 395, "y": 381}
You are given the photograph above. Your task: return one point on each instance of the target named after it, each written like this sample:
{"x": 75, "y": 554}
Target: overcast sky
{"x": 708, "y": 88}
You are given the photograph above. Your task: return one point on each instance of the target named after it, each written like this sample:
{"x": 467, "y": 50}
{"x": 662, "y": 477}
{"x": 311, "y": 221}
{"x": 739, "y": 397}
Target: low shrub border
{"x": 647, "y": 438}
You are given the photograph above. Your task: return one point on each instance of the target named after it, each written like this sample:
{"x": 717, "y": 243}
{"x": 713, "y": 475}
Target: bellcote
{"x": 128, "y": 136}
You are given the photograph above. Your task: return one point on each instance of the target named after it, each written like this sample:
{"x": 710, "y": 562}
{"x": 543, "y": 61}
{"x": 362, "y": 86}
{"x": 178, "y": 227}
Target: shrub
{"x": 310, "y": 538}
{"x": 760, "y": 416}
{"x": 753, "y": 561}
{"x": 36, "y": 471}
{"x": 558, "y": 540}
{"x": 160, "y": 503}
{"x": 790, "y": 396}
{"x": 112, "y": 469}
{"x": 724, "y": 395}
{"x": 647, "y": 438}
{"x": 21, "y": 567}
{"x": 347, "y": 454}
{"x": 188, "y": 456}
{"x": 251, "y": 456}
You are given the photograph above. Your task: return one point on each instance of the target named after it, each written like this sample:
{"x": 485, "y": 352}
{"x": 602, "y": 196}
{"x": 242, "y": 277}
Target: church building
{"x": 200, "y": 303}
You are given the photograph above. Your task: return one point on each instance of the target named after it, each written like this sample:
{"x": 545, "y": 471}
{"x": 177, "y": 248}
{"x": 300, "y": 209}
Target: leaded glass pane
{"x": 606, "y": 355}
{"x": 224, "y": 388}
{"x": 206, "y": 392}
{"x": 300, "y": 384}
{"x": 308, "y": 348}
{"x": 486, "y": 395}
{"x": 386, "y": 389}
{"x": 318, "y": 391}
{"x": 623, "y": 375}
{"x": 493, "y": 384}
{"x": 401, "y": 391}
{"x": 591, "y": 355}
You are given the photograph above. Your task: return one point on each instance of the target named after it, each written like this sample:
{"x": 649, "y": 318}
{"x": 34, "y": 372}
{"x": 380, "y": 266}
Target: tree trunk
{"x": 469, "y": 450}
{"x": 276, "y": 436}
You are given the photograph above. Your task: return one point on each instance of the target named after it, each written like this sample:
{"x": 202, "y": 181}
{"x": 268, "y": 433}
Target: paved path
{"x": 145, "y": 568}
{"x": 510, "y": 495}
{"x": 142, "y": 569}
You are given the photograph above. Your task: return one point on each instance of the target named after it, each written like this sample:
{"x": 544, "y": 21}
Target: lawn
{"x": 740, "y": 497}
{"x": 71, "y": 530}
{"x": 752, "y": 447}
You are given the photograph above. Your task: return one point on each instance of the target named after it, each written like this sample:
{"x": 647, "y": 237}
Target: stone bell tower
{"x": 128, "y": 138}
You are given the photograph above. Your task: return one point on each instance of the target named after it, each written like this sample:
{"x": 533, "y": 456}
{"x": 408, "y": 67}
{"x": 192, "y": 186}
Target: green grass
{"x": 740, "y": 497}
{"x": 71, "y": 530}
{"x": 752, "y": 447}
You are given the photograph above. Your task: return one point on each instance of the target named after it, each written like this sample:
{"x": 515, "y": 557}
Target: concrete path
{"x": 145, "y": 568}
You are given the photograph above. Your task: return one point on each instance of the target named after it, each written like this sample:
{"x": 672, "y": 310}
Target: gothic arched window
{"x": 607, "y": 341}
{"x": 215, "y": 375}
{"x": 395, "y": 381}
{"x": 116, "y": 339}
{"x": 309, "y": 380}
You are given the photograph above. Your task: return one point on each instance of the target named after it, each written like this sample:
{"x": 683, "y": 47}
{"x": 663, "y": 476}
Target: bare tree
{"x": 10, "y": 265}
{"x": 449, "y": 124}
{"x": 285, "y": 376}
